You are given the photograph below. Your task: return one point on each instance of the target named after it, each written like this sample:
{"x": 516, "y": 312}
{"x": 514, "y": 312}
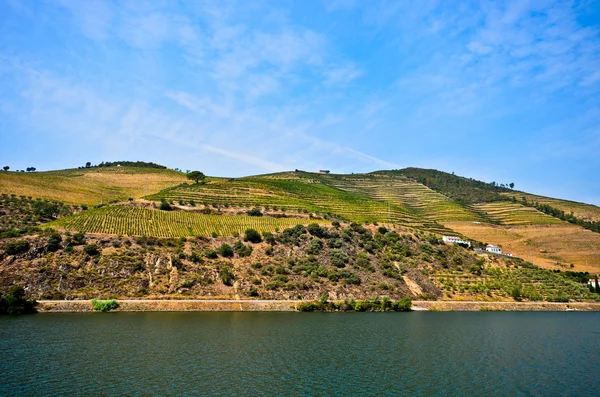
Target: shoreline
{"x": 248, "y": 305}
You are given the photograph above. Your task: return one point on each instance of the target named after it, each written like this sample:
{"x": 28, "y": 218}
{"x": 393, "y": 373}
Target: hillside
{"x": 424, "y": 204}
{"x": 89, "y": 186}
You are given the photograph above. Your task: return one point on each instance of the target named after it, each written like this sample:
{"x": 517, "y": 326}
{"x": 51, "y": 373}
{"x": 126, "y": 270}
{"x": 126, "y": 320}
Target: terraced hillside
{"x": 584, "y": 211}
{"x": 507, "y": 213}
{"x": 133, "y": 221}
{"x": 302, "y": 192}
{"x": 402, "y": 191}
{"x": 89, "y": 185}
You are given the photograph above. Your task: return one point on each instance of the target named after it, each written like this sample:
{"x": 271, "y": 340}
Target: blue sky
{"x": 498, "y": 91}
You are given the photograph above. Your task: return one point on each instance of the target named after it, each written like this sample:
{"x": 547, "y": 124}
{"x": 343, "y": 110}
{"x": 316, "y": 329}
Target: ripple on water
{"x": 292, "y": 354}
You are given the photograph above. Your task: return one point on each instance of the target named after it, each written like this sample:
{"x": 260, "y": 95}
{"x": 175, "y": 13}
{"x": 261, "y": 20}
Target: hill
{"x": 90, "y": 186}
{"x": 539, "y": 229}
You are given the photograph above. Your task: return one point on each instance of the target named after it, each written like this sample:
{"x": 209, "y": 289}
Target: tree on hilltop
{"x": 512, "y": 185}
{"x": 196, "y": 176}
{"x": 88, "y": 164}
{"x": 6, "y": 168}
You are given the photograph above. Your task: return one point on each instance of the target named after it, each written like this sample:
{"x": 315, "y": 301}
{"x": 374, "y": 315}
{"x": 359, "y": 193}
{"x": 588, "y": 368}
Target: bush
{"x": 338, "y": 258}
{"x": 17, "y": 247}
{"x": 317, "y": 230}
{"x": 165, "y": 206}
{"x": 241, "y": 249}
{"x": 104, "y": 305}
{"x": 91, "y": 249}
{"x": 78, "y": 238}
{"x": 226, "y": 251}
{"x": 252, "y": 235}
{"x": 227, "y": 275}
{"x": 15, "y": 302}
{"x": 211, "y": 254}
{"x": 315, "y": 246}
{"x": 255, "y": 212}
{"x": 253, "y": 291}
{"x": 54, "y": 242}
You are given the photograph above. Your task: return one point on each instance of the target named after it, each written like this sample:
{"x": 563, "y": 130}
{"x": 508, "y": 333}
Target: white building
{"x": 494, "y": 249}
{"x": 454, "y": 239}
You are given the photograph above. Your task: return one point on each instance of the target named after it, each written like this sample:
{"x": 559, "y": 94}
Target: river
{"x": 301, "y": 354}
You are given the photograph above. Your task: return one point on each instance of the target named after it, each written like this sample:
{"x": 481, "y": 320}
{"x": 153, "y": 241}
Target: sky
{"x": 493, "y": 90}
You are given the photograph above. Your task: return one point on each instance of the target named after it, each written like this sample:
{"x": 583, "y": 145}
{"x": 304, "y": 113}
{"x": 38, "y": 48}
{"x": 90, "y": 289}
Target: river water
{"x": 301, "y": 354}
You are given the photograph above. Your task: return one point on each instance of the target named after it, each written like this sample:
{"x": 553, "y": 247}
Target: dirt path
{"x": 153, "y": 305}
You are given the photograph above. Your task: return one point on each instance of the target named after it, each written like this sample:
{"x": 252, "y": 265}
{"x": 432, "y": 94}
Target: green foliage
{"x": 54, "y": 242}
{"x": 15, "y": 302}
{"x": 196, "y": 176}
{"x": 17, "y": 247}
{"x": 226, "y": 251}
{"x": 463, "y": 190}
{"x": 252, "y": 235}
{"x": 165, "y": 206}
{"x": 374, "y": 304}
{"x": 104, "y": 305}
{"x": 255, "y": 212}
{"x": 241, "y": 249}
{"x": 226, "y": 274}
{"x": 91, "y": 249}
{"x": 316, "y": 230}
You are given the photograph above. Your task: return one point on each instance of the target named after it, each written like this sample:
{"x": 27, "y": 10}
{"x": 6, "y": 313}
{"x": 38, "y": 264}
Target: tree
{"x": 196, "y": 176}
{"x": 6, "y": 168}
{"x": 88, "y": 164}
{"x": 15, "y": 302}
{"x": 597, "y": 285}
{"x": 31, "y": 169}
{"x": 512, "y": 185}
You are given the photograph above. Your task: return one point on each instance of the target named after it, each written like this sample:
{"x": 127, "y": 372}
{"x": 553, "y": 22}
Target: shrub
{"x": 78, "y": 238}
{"x": 17, "y": 247}
{"x": 338, "y": 258}
{"x": 255, "y": 212}
{"x": 315, "y": 246}
{"x": 227, "y": 275}
{"x": 104, "y": 305}
{"x": 91, "y": 249}
{"x": 226, "y": 251}
{"x": 241, "y": 249}
{"x": 165, "y": 206}
{"x": 54, "y": 242}
{"x": 211, "y": 254}
{"x": 317, "y": 230}
{"x": 252, "y": 235}
{"x": 253, "y": 291}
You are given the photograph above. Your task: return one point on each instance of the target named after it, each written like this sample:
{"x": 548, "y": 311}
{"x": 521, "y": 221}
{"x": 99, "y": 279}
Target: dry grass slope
{"x": 91, "y": 185}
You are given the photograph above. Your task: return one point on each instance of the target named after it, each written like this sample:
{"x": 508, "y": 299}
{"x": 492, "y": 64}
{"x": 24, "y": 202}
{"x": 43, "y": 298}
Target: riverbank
{"x": 292, "y": 305}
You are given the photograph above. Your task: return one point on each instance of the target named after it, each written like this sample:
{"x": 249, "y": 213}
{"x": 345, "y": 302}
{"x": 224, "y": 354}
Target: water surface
{"x": 301, "y": 354}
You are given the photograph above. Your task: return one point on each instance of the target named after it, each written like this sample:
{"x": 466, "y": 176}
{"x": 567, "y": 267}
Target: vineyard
{"x": 508, "y": 213}
{"x": 404, "y": 192}
{"x": 134, "y": 221}
{"x": 360, "y": 198}
{"x": 533, "y": 284}
{"x": 586, "y": 212}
